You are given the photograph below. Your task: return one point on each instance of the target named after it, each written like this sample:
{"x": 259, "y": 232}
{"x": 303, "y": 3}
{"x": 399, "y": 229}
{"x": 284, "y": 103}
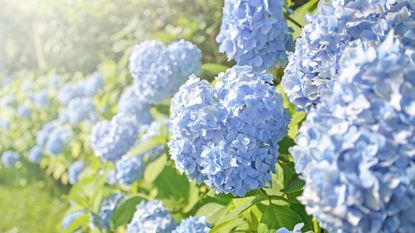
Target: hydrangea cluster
{"x": 131, "y": 103}
{"x": 159, "y": 71}
{"x": 314, "y": 65}
{"x": 36, "y": 154}
{"x": 108, "y": 205}
{"x": 151, "y": 217}
{"x": 227, "y": 136}
{"x": 78, "y": 110}
{"x": 74, "y": 170}
{"x": 85, "y": 88}
{"x": 255, "y": 33}
{"x": 297, "y": 229}
{"x": 193, "y": 225}
{"x": 43, "y": 134}
{"x": 356, "y": 150}
{"x": 23, "y": 111}
{"x": 9, "y": 158}
{"x": 4, "y": 124}
{"x": 111, "y": 139}
{"x": 57, "y": 140}
{"x": 129, "y": 169}
{"x": 41, "y": 98}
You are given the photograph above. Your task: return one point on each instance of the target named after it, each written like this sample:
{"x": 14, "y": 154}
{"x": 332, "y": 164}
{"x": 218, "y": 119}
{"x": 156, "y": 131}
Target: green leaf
{"x": 77, "y": 223}
{"x": 212, "y": 211}
{"x": 125, "y": 211}
{"x": 295, "y": 185}
{"x": 212, "y": 70}
{"x": 276, "y": 216}
{"x": 154, "y": 169}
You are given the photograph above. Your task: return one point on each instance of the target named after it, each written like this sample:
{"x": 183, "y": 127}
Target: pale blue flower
{"x": 355, "y": 151}
{"x": 131, "y": 103}
{"x": 107, "y": 208}
{"x": 111, "y": 139}
{"x": 151, "y": 217}
{"x": 9, "y": 158}
{"x": 129, "y": 169}
{"x": 217, "y": 136}
{"x": 193, "y": 225}
{"x": 314, "y": 65}
{"x": 255, "y": 33}
{"x": 75, "y": 170}
{"x": 78, "y": 110}
{"x": 36, "y": 154}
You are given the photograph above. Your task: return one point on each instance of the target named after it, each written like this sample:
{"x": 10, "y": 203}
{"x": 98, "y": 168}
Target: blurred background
{"x": 72, "y": 38}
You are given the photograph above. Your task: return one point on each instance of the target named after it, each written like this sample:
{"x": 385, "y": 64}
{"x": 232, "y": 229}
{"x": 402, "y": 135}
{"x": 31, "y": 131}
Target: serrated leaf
{"x": 154, "y": 168}
{"x": 276, "y": 216}
{"x": 125, "y": 211}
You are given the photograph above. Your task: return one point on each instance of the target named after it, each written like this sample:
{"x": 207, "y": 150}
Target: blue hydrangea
{"x": 41, "y": 98}
{"x": 78, "y": 110}
{"x": 68, "y": 220}
{"x": 107, "y": 208}
{"x": 131, "y": 103}
{"x": 57, "y": 140}
{"x": 84, "y": 88}
{"x": 111, "y": 139}
{"x": 36, "y": 154}
{"x": 4, "y": 124}
{"x": 75, "y": 170}
{"x": 43, "y": 134}
{"x": 9, "y": 158}
{"x": 70, "y": 91}
{"x": 23, "y": 111}
{"x": 255, "y": 33}
{"x": 129, "y": 169}
{"x": 151, "y": 217}
{"x": 187, "y": 58}
{"x": 55, "y": 81}
{"x": 297, "y": 229}
{"x": 314, "y": 65}
{"x": 93, "y": 84}
{"x": 193, "y": 225}
{"x": 217, "y": 136}
{"x": 355, "y": 151}
{"x": 156, "y": 70}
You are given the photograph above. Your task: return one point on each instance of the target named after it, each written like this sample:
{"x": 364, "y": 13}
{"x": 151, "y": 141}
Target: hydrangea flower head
{"x": 93, "y": 84}
{"x": 36, "y": 154}
{"x": 41, "y": 98}
{"x": 9, "y": 158}
{"x": 193, "y": 225}
{"x": 58, "y": 140}
{"x": 43, "y": 134}
{"x": 111, "y": 139}
{"x": 78, "y": 110}
{"x": 227, "y": 136}
{"x": 74, "y": 170}
{"x": 255, "y": 33}
{"x": 107, "y": 208}
{"x": 151, "y": 217}
{"x": 355, "y": 151}
{"x": 187, "y": 58}
{"x": 158, "y": 71}
{"x": 131, "y": 103}
{"x": 23, "y": 111}
{"x": 314, "y": 65}
{"x": 129, "y": 169}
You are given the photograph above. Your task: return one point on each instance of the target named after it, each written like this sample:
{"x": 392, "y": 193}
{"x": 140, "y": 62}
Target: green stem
{"x": 288, "y": 17}
{"x": 316, "y": 226}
